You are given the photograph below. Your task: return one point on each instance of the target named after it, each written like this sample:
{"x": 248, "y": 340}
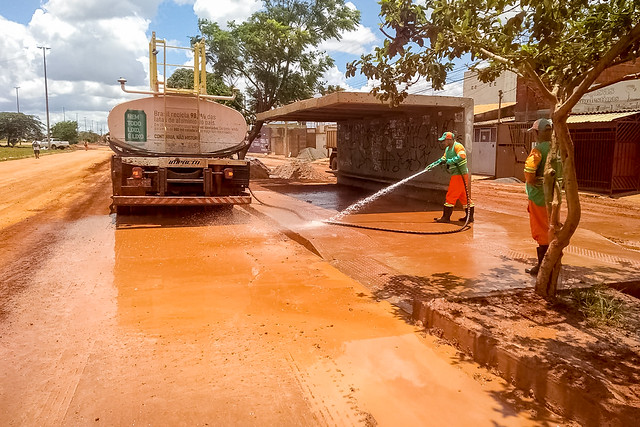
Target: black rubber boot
{"x": 446, "y": 214}
{"x": 542, "y": 250}
{"x": 467, "y": 211}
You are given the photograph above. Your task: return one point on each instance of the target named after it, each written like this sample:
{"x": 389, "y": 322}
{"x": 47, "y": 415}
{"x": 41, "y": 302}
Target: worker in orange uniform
{"x": 455, "y": 158}
{"x": 533, "y": 174}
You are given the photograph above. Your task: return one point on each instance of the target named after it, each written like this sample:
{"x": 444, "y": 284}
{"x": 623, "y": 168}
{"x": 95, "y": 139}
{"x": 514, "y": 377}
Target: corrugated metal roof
{"x": 495, "y": 121}
{"x": 484, "y": 108}
{"x": 600, "y": 117}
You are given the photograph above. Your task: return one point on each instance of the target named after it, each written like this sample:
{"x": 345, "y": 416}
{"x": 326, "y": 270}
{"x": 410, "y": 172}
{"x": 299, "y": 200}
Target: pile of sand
{"x": 311, "y": 154}
{"x": 298, "y": 170}
{"x": 259, "y": 170}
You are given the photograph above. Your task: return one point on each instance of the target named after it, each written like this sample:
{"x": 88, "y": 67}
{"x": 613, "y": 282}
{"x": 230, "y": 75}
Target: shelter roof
{"x": 600, "y": 117}
{"x": 342, "y": 106}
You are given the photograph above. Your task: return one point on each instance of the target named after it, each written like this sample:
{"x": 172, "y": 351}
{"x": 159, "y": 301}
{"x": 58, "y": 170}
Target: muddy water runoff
{"x": 220, "y": 320}
{"x": 213, "y": 318}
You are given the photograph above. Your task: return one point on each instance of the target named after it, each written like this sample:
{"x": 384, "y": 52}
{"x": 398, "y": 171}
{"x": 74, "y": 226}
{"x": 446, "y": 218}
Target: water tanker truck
{"x": 176, "y": 147}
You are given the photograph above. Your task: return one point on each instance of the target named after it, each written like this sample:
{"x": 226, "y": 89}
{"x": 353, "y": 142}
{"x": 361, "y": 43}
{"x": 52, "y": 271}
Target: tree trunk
{"x": 255, "y": 132}
{"x": 547, "y": 280}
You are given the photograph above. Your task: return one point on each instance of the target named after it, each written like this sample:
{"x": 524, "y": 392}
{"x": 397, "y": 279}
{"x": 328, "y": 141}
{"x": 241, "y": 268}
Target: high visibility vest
{"x": 459, "y": 156}
{"x": 535, "y": 192}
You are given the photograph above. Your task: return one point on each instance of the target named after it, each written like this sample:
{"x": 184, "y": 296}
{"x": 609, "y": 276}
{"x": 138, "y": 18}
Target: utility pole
{"x": 64, "y": 117}
{"x": 17, "y": 99}
{"x": 497, "y": 143}
{"x": 85, "y": 123}
{"x": 46, "y": 90}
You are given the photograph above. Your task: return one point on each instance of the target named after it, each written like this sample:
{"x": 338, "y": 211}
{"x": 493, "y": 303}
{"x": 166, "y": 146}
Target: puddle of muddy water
{"x": 183, "y": 216}
{"x": 339, "y": 197}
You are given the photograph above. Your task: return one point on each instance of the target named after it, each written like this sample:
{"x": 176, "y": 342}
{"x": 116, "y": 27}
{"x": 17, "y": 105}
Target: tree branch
{"x": 494, "y": 56}
{"x": 605, "y": 62}
{"x": 530, "y": 73}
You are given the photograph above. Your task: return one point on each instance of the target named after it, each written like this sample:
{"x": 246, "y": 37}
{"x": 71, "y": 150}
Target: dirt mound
{"x": 310, "y": 153}
{"x": 298, "y": 170}
{"x": 259, "y": 170}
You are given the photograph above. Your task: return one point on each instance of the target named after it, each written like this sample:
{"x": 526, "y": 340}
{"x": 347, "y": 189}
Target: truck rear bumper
{"x": 180, "y": 201}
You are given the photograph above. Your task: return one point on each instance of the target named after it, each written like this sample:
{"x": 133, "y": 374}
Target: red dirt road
{"x": 202, "y": 319}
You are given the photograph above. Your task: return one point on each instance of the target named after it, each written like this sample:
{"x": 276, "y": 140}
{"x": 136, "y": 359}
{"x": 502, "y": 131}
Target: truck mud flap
{"x": 180, "y": 201}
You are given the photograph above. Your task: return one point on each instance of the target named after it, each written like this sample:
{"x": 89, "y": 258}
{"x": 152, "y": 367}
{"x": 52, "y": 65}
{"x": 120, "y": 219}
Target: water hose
{"x": 274, "y": 206}
{"x": 464, "y": 227}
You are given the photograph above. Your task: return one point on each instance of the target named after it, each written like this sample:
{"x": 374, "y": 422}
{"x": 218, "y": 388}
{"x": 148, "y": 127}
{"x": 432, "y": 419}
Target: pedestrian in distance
{"x": 86, "y": 146}
{"x": 534, "y": 174}
{"x": 455, "y": 159}
{"x": 36, "y": 149}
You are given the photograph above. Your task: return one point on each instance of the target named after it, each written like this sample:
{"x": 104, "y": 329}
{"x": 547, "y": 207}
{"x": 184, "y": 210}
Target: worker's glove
{"x": 434, "y": 164}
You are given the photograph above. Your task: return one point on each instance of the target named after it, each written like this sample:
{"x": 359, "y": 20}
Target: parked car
{"x": 54, "y": 144}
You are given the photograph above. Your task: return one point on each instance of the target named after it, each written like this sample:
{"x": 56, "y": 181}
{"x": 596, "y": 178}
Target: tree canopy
{"x": 88, "y": 136}
{"x": 17, "y": 126}
{"x": 276, "y": 51}
{"x": 561, "y": 48}
{"x": 182, "y": 78}
{"x": 66, "y": 131}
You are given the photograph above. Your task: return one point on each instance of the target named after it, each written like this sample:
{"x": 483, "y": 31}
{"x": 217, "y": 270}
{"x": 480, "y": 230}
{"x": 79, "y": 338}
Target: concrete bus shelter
{"x": 379, "y": 145}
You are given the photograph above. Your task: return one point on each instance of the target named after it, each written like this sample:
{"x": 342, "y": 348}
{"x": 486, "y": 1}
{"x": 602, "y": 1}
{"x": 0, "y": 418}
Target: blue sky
{"x": 94, "y": 42}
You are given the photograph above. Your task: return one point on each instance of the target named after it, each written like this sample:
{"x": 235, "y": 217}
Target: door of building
{"x": 484, "y": 152}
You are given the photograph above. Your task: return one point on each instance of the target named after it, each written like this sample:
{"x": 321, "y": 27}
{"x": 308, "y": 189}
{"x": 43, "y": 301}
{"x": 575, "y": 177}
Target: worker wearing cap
{"x": 455, "y": 158}
{"x": 533, "y": 174}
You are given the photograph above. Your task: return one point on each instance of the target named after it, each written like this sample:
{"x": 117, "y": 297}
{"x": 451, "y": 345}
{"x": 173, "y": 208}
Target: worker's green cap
{"x": 447, "y": 135}
{"x": 540, "y": 125}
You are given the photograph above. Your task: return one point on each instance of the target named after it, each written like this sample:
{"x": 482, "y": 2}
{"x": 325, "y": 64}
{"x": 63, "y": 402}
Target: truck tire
{"x": 53, "y": 147}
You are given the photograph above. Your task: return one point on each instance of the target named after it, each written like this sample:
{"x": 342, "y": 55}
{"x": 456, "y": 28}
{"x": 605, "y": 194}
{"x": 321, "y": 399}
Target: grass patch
{"x": 598, "y": 306}
{"x": 17, "y": 152}
{"x": 21, "y": 151}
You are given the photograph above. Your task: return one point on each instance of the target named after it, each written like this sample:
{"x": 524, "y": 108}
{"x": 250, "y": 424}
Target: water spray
{"x": 334, "y": 220}
{"x": 360, "y": 204}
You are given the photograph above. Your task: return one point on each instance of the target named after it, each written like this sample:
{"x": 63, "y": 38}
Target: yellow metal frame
{"x": 199, "y": 67}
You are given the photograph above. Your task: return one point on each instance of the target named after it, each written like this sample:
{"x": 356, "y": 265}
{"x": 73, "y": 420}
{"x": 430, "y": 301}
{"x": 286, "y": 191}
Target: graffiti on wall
{"x": 393, "y": 147}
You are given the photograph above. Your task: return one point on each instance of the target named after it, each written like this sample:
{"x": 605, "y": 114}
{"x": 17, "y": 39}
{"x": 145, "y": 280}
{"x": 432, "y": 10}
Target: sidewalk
{"x": 471, "y": 288}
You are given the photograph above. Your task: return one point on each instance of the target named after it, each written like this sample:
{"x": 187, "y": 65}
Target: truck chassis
{"x": 183, "y": 181}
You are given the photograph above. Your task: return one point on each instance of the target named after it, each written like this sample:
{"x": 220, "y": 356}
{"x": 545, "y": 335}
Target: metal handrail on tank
{"x": 199, "y": 90}
{"x": 199, "y": 72}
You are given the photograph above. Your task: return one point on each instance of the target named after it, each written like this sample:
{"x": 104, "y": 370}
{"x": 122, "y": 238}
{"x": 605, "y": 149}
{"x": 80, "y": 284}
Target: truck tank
{"x": 176, "y": 147}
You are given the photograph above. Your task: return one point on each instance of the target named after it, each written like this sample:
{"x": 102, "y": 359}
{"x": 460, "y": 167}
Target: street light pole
{"x": 17, "y": 99}
{"x": 46, "y": 90}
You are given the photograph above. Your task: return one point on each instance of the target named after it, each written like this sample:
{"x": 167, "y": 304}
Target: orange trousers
{"x": 457, "y": 191}
{"x": 539, "y": 223}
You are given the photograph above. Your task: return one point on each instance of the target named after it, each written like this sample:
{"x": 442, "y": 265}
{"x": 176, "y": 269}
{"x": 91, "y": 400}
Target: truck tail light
{"x": 136, "y": 172}
{"x": 228, "y": 173}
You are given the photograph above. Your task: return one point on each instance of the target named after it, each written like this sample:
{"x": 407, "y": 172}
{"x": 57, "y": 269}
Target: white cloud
{"x": 92, "y": 43}
{"x": 354, "y": 42}
{"x": 222, "y": 11}
{"x": 76, "y": 11}
{"x": 334, "y": 76}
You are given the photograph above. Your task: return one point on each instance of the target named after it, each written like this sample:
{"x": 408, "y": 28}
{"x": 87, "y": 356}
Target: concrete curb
{"x": 566, "y": 390}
